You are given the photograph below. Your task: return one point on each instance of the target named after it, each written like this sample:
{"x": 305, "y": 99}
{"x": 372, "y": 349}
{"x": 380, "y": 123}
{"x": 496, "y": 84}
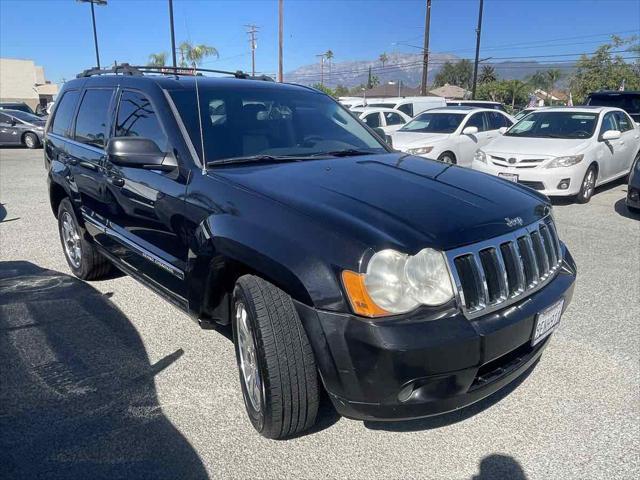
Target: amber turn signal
{"x": 359, "y": 298}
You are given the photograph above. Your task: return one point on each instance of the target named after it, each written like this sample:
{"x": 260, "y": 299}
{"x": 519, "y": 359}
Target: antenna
{"x": 251, "y": 31}
{"x": 204, "y": 159}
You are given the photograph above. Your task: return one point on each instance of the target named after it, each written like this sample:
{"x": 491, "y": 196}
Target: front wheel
{"x": 278, "y": 373}
{"x": 588, "y": 185}
{"x": 448, "y": 157}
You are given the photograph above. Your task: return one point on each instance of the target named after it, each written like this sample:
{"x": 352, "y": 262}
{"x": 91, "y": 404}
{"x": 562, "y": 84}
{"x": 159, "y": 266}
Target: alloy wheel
{"x": 71, "y": 239}
{"x": 589, "y": 183}
{"x": 248, "y": 358}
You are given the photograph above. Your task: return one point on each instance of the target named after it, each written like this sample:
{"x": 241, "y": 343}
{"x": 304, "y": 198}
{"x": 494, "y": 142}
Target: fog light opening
{"x": 564, "y": 184}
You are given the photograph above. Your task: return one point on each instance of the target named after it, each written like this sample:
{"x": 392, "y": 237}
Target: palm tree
{"x": 383, "y": 58}
{"x": 515, "y": 89}
{"x": 553, "y": 75}
{"x": 157, "y": 59}
{"x": 328, "y": 55}
{"x": 191, "y": 54}
{"x": 487, "y": 74}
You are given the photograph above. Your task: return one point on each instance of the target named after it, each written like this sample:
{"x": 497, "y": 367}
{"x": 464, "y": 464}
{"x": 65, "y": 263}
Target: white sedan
{"x": 564, "y": 151}
{"x": 451, "y": 134}
{"x": 388, "y": 119}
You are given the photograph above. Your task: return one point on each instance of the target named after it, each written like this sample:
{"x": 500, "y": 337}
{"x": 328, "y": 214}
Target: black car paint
{"x": 12, "y": 133}
{"x": 629, "y": 101}
{"x": 189, "y": 232}
{"x": 633, "y": 190}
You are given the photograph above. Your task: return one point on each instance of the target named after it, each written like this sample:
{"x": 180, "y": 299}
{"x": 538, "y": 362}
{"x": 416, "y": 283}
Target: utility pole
{"x": 93, "y": 19}
{"x": 251, "y": 31}
{"x": 173, "y": 36}
{"x": 280, "y": 40}
{"x": 475, "y": 66}
{"x": 321, "y": 55}
{"x": 425, "y": 52}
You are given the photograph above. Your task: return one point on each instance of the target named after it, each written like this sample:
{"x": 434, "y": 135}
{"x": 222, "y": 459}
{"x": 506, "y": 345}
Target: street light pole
{"x": 173, "y": 36}
{"x": 475, "y": 66}
{"x": 93, "y": 19}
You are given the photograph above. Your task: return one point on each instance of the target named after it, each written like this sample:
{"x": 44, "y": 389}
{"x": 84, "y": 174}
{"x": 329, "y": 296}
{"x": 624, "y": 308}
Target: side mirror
{"x": 470, "y": 131}
{"x": 502, "y": 130}
{"x": 138, "y": 152}
{"x": 611, "y": 135}
{"x": 13, "y": 122}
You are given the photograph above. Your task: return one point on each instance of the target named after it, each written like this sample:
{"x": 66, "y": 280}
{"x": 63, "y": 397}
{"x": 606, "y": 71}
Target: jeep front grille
{"x": 493, "y": 274}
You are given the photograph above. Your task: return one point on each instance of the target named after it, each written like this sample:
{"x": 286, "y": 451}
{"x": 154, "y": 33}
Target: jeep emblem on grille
{"x": 512, "y": 160}
{"x": 513, "y": 222}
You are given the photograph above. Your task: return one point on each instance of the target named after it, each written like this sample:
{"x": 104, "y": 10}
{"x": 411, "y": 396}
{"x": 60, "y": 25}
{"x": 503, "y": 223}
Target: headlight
{"x": 480, "y": 156}
{"x": 419, "y": 150}
{"x": 565, "y": 161}
{"x": 396, "y": 283}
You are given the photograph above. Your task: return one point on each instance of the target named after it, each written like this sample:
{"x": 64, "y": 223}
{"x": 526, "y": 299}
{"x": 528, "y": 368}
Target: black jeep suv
{"x": 404, "y": 287}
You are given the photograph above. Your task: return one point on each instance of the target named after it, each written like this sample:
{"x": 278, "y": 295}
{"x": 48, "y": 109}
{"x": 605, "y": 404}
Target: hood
{"x": 393, "y": 200}
{"x": 403, "y": 140}
{"x": 548, "y": 147}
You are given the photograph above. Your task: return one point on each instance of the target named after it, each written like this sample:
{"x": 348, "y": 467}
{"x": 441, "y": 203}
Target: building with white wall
{"x": 24, "y": 81}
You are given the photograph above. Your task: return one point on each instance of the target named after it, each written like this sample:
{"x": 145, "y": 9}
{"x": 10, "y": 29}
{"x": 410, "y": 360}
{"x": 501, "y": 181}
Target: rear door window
{"x": 64, "y": 113}
{"x": 393, "y": 118}
{"x": 93, "y": 117}
{"x": 137, "y": 118}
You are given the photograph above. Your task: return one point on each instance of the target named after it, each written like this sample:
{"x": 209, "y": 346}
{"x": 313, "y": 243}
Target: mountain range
{"x": 406, "y": 67}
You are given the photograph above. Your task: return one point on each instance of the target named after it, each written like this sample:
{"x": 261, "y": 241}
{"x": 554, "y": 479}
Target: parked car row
{"x": 18, "y": 127}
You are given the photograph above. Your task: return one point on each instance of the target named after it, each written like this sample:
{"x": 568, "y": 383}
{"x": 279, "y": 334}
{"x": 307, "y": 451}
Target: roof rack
{"x": 140, "y": 70}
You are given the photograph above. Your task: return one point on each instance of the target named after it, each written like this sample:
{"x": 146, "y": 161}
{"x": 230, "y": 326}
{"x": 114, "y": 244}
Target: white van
{"x": 412, "y": 106}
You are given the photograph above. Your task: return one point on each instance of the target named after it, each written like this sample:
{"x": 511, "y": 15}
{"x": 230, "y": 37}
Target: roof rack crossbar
{"x": 123, "y": 68}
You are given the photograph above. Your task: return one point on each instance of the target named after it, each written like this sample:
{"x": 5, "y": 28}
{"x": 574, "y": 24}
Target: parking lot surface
{"x": 106, "y": 380}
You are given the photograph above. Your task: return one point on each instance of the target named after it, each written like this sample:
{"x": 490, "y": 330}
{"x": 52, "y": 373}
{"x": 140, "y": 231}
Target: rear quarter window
{"x": 64, "y": 113}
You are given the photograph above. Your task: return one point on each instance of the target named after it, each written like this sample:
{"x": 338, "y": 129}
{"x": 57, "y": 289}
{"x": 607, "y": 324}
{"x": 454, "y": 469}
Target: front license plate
{"x": 512, "y": 177}
{"x": 547, "y": 321}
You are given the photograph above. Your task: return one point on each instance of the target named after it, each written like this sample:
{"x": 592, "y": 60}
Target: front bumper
{"x": 545, "y": 180}
{"x": 418, "y": 366}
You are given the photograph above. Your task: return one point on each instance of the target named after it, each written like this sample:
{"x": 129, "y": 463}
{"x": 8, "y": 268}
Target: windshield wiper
{"x": 254, "y": 158}
{"x": 348, "y": 152}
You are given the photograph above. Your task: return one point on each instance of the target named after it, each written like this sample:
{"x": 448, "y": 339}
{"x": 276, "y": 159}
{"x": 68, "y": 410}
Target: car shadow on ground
{"x": 622, "y": 209}
{"x": 500, "y": 467}
{"x": 77, "y": 391}
{"x": 444, "y": 420}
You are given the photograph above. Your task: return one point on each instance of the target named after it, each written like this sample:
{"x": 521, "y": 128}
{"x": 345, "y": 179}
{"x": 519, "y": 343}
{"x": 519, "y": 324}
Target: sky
{"x": 57, "y": 34}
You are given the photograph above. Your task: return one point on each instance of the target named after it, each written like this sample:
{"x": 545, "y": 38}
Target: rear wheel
{"x": 30, "y": 140}
{"x": 448, "y": 157}
{"x": 83, "y": 258}
{"x": 278, "y": 373}
{"x": 588, "y": 185}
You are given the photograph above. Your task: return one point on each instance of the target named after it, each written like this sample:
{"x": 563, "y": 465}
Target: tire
{"x": 30, "y": 140}
{"x": 271, "y": 342}
{"x": 588, "y": 185}
{"x": 83, "y": 258}
{"x": 448, "y": 157}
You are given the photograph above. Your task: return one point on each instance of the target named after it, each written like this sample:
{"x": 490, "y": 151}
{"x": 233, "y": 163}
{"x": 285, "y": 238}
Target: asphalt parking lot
{"x": 106, "y": 380}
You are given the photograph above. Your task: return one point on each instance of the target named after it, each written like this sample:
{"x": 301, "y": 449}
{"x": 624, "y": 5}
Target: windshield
{"x": 26, "y": 117}
{"x": 270, "y": 121}
{"x": 23, "y": 107}
{"x": 434, "y": 123}
{"x": 629, "y": 102}
{"x": 555, "y": 125}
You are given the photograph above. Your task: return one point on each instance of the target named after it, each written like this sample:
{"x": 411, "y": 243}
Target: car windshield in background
{"x": 26, "y": 117}
{"x": 271, "y": 123}
{"x": 555, "y": 125}
{"x": 434, "y": 123}
{"x": 629, "y": 102}
{"x": 18, "y": 106}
